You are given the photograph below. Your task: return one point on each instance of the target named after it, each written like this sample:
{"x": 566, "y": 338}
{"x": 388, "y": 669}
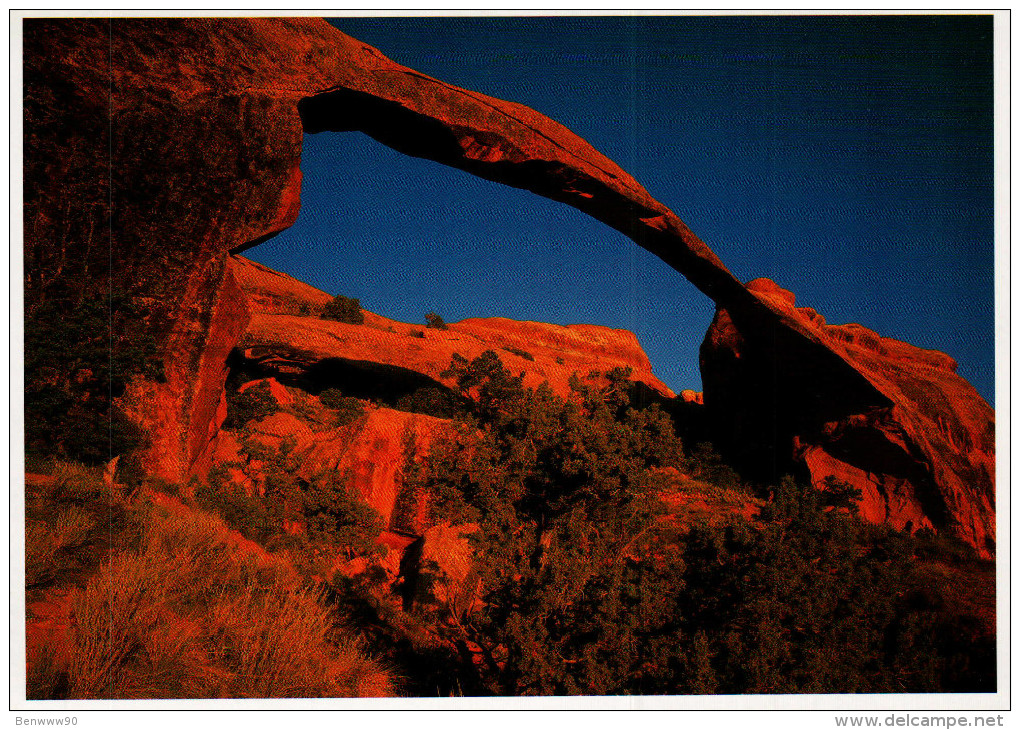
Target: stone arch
{"x": 204, "y": 119}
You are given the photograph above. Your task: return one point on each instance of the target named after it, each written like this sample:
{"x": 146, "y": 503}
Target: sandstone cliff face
{"x": 297, "y": 355}
{"x": 374, "y": 452}
{"x": 371, "y": 453}
{"x": 183, "y": 414}
{"x": 415, "y": 356}
{"x": 190, "y": 131}
{"x": 383, "y": 357}
{"x": 892, "y": 419}
{"x": 273, "y": 292}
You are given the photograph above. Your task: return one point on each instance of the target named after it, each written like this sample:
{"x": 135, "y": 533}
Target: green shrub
{"x": 258, "y": 518}
{"x": 40, "y": 554}
{"x": 46, "y": 676}
{"x": 416, "y": 333}
{"x": 74, "y": 527}
{"x": 309, "y": 412}
{"x": 334, "y": 513}
{"x": 431, "y": 401}
{"x": 254, "y": 518}
{"x": 78, "y": 354}
{"x": 434, "y": 322}
{"x": 254, "y": 404}
{"x": 940, "y": 546}
{"x": 591, "y": 586}
{"x": 38, "y": 463}
{"x": 347, "y": 409}
{"x": 706, "y": 464}
{"x": 343, "y": 309}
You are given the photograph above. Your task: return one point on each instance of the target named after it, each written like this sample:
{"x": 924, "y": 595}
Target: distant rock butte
{"x": 892, "y": 419}
{"x": 219, "y": 107}
{"x": 543, "y": 352}
{"x": 692, "y": 396}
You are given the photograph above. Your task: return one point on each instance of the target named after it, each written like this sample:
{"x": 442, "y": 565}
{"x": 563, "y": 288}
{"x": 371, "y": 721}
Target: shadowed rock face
{"x": 916, "y": 438}
{"x": 204, "y": 120}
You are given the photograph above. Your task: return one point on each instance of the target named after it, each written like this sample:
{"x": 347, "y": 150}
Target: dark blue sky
{"x": 849, "y": 159}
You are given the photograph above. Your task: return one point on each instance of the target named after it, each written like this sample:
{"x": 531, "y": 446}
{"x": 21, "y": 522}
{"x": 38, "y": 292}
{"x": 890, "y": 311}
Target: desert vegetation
{"x": 343, "y": 309}
{"x": 163, "y": 599}
{"x": 359, "y": 522}
{"x": 72, "y": 370}
{"x": 590, "y": 584}
{"x": 346, "y": 408}
{"x": 595, "y": 554}
{"x": 523, "y": 353}
{"x": 434, "y": 322}
{"x": 592, "y": 569}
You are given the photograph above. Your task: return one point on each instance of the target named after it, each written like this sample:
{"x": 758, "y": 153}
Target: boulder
{"x": 692, "y": 396}
{"x": 282, "y": 427}
{"x": 447, "y": 559}
{"x": 438, "y": 571}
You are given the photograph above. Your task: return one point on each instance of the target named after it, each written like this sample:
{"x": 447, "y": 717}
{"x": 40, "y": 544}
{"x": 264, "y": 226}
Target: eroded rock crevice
{"x": 387, "y": 385}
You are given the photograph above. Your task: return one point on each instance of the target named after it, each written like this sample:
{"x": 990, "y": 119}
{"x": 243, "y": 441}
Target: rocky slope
{"x": 278, "y": 340}
{"x": 298, "y": 355}
{"x": 922, "y": 457}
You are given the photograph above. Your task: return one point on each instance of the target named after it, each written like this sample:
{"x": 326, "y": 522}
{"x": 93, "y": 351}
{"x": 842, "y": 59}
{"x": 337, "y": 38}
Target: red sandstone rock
{"x": 238, "y": 95}
{"x": 691, "y": 396}
{"x": 272, "y": 292}
{"x": 543, "y": 352}
{"x": 277, "y": 391}
{"x": 183, "y": 414}
{"x": 372, "y": 453}
{"x": 446, "y": 552}
{"x": 280, "y": 427}
{"x": 892, "y": 419}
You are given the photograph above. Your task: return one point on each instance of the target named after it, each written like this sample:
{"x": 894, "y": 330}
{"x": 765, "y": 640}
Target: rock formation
{"x": 395, "y": 356}
{"x": 286, "y": 342}
{"x": 207, "y": 117}
{"x": 894, "y": 420}
{"x": 189, "y": 132}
